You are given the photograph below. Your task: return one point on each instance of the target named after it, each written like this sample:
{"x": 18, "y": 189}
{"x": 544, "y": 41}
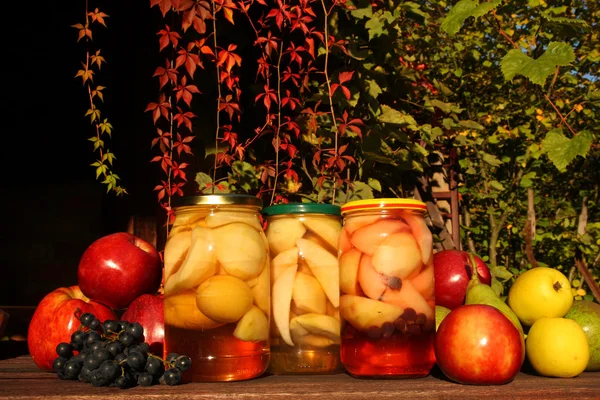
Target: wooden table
{"x": 20, "y": 378}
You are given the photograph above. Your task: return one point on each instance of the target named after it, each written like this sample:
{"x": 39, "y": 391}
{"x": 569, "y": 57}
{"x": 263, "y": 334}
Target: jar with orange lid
{"x": 305, "y": 324}
{"x": 387, "y": 302}
{"x": 216, "y": 287}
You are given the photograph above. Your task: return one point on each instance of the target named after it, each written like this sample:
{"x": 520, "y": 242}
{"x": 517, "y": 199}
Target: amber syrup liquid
{"x": 399, "y": 355}
{"x": 216, "y": 354}
{"x": 292, "y": 360}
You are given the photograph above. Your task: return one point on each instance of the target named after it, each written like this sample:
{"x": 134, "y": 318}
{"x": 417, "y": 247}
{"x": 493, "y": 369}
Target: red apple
{"x": 477, "y": 345}
{"x": 56, "y": 318}
{"x": 117, "y": 268}
{"x": 452, "y": 272}
{"x": 148, "y": 310}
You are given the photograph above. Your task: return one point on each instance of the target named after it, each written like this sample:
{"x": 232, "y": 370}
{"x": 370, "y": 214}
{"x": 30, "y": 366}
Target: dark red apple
{"x": 452, "y": 272}
{"x": 477, "y": 345}
{"x": 56, "y": 318}
{"x": 148, "y": 310}
{"x": 117, "y": 268}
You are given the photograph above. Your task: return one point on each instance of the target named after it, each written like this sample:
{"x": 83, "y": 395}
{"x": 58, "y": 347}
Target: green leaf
{"x": 374, "y": 89}
{"x": 491, "y": 160}
{"x": 359, "y": 191}
{"x": 547, "y": 15}
{"x": 562, "y": 150}
{"x": 202, "y": 180}
{"x": 471, "y": 125}
{"x": 391, "y": 116}
{"x": 375, "y": 27}
{"x": 496, "y": 185}
{"x": 501, "y": 273}
{"x": 515, "y": 62}
{"x": 361, "y": 13}
{"x": 374, "y": 184}
{"x": 463, "y": 10}
{"x": 445, "y": 107}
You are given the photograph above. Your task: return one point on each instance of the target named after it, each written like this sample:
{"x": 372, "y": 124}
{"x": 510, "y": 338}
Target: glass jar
{"x": 305, "y": 328}
{"x": 387, "y": 300}
{"x": 216, "y": 287}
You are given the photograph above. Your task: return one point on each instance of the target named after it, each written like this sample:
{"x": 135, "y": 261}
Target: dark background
{"x": 53, "y": 207}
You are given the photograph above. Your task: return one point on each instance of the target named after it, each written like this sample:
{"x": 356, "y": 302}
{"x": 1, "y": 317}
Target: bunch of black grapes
{"x": 114, "y": 354}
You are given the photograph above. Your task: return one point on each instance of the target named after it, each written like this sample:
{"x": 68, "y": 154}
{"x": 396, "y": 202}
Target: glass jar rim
{"x": 302, "y": 208}
{"x": 217, "y": 200}
{"x": 383, "y": 204}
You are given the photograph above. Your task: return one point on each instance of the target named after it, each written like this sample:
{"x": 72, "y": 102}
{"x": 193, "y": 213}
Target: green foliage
{"x": 515, "y": 62}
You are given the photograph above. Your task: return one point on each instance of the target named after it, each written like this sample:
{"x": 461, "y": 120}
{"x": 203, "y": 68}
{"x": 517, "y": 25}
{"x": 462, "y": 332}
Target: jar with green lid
{"x": 305, "y": 324}
{"x": 216, "y": 287}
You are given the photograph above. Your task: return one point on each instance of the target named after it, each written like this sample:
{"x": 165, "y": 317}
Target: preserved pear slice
{"x": 282, "y": 298}
{"x": 422, "y": 235}
{"x": 253, "y": 326}
{"x": 240, "y": 250}
{"x": 327, "y": 229}
{"x": 308, "y": 294}
{"x": 220, "y": 218}
{"x": 199, "y": 264}
{"x": 319, "y": 324}
{"x": 282, "y": 234}
{"x": 282, "y": 261}
{"x": 324, "y": 267}
{"x": 363, "y": 313}
{"x": 176, "y": 251}
{"x": 181, "y": 312}
{"x": 349, "y": 263}
{"x": 398, "y": 255}
{"x": 224, "y": 298}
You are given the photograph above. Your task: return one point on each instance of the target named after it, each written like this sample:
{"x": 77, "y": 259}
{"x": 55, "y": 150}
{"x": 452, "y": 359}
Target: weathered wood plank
{"x": 20, "y": 379}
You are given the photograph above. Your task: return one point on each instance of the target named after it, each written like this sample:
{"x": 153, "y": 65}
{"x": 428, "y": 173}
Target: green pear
{"x": 440, "y": 314}
{"x": 480, "y": 293}
{"x": 587, "y": 315}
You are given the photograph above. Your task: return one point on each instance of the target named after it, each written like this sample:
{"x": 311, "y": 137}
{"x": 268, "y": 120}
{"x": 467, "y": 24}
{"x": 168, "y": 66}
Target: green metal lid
{"x": 302, "y": 208}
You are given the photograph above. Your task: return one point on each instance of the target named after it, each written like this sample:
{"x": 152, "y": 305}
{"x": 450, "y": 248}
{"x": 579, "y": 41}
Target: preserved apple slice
{"x": 398, "y": 255}
{"x": 368, "y": 238}
{"x": 363, "y": 313}
{"x": 422, "y": 235}
{"x": 176, "y": 250}
{"x": 220, "y": 218}
{"x": 181, "y": 312}
{"x": 327, "y": 229}
{"x": 282, "y": 261}
{"x": 308, "y": 294}
{"x": 349, "y": 264}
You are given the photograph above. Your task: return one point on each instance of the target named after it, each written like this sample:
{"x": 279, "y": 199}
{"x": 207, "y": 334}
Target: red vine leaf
{"x": 267, "y": 96}
{"x": 164, "y": 5}
{"x": 184, "y": 118}
{"x": 190, "y": 60}
{"x": 229, "y": 58}
{"x": 167, "y": 36}
{"x": 165, "y": 74}
{"x": 98, "y": 16}
{"x": 162, "y": 107}
{"x": 185, "y": 91}
{"x": 83, "y": 31}
{"x": 163, "y": 138}
{"x": 181, "y": 144}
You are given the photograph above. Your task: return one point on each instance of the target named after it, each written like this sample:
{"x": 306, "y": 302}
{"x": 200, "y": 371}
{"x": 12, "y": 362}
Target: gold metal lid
{"x": 217, "y": 200}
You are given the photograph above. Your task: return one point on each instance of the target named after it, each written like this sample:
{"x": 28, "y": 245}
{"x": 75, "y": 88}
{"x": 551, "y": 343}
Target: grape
{"x": 136, "y": 360}
{"x": 154, "y": 367}
{"x": 110, "y": 370}
{"x": 92, "y": 363}
{"x": 123, "y": 382}
{"x": 183, "y": 363}
{"x": 64, "y": 350}
{"x": 115, "y": 348}
{"x": 97, "y": 346}
{"x": 137, "y": 348}
{"x": 123, "y": 325}
{"x": 76, "y": 345}
{"x": 110, "y": 326}
{"x": 59, "y": 364}
{"x": 72, "y": 369}
{"x": 91, "y": 338}
{"x": 95, "y": 324}
{"x": 85, "y": 375}
{"x": 172, "y": 376}
{"x": 102, "y": 355}
{"x": 145, "y": 379}
{"x": 120, "y": 358}
{"x": 126, "y": 339}
{"x": 86, "y": 319}
{"x": 136, "y": 330}
{"x": 171, "y": 357}
{"x": 145, "y": 347}
{"x": 77, "y": 337}
{"x": 82, "y": 356}
{"x": 97, "y": 379}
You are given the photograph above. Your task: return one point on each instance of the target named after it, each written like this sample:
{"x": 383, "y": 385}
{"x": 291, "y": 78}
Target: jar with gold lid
{"x": 387, "y": 302}
{"x": 305, "y": 325}
{"x": 216, "y": 287}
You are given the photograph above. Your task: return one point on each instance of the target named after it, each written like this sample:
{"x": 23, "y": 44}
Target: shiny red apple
{"x": 477, "y": 345}
{"x": 117, "y": 268}
{"x": 148, "y": 310}
{"x": 56, "y": 318}
{"x": 452, "y": 272}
